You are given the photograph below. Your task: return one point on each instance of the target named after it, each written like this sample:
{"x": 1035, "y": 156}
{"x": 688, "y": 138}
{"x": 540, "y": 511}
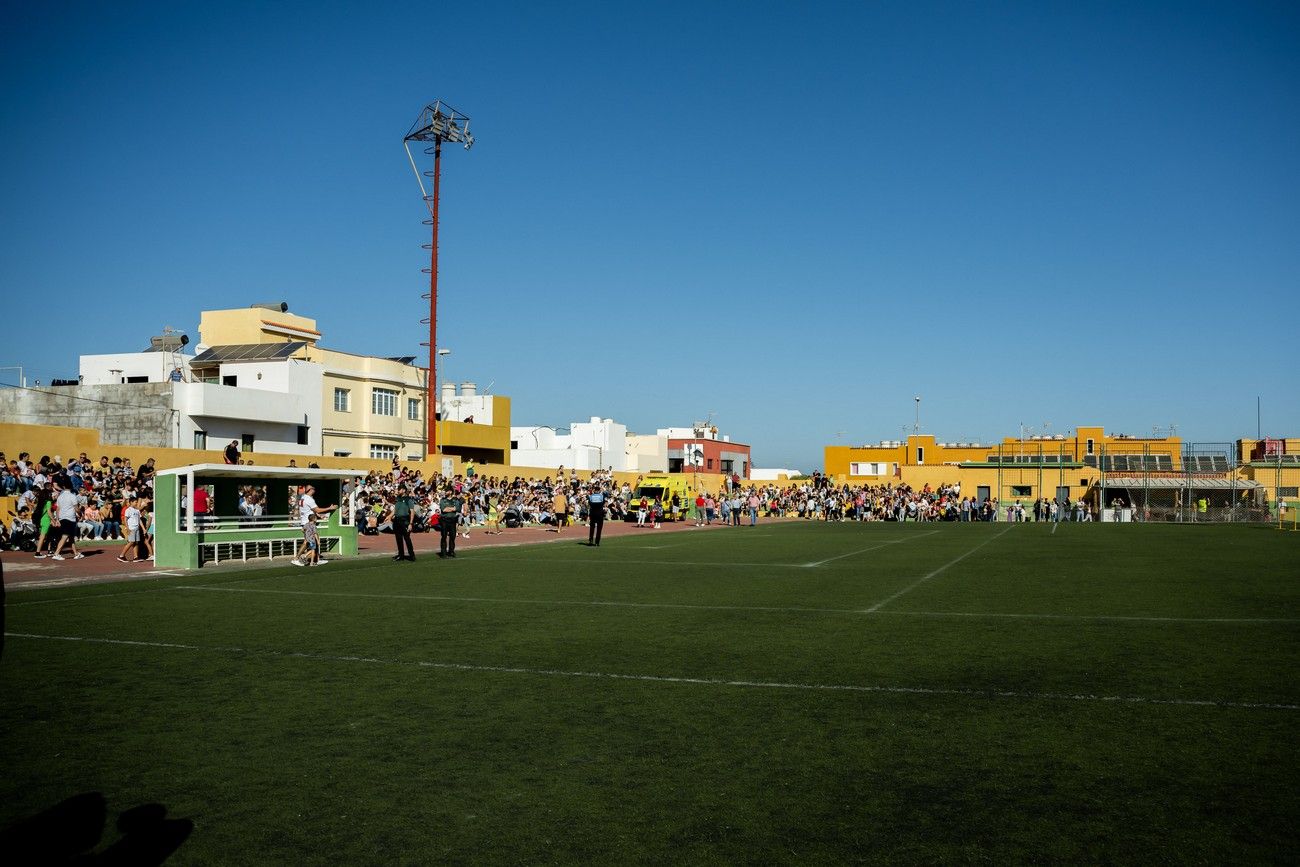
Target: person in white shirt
{"x": 65, "y": 506}
{"x": 131, "y": 518}
{"x": 308, "y": 512}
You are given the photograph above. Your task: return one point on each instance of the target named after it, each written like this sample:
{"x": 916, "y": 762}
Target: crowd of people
{"x": 61, "y": 503}
{"x": 821, "y": 499}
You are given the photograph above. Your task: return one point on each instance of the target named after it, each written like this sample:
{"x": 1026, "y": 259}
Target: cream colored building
{"x": 372, "y": 407}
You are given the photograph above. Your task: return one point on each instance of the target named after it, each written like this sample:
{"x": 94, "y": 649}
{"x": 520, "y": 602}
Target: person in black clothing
{"x": 595, "y": 515}
{"x": 448, "y": 514}
{"x": 402, "y": 506}
{"x": 232, "y": 452}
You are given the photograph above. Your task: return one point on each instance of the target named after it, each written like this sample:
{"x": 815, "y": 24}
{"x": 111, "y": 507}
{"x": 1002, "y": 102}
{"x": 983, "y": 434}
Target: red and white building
{"x": 702, "y": 449}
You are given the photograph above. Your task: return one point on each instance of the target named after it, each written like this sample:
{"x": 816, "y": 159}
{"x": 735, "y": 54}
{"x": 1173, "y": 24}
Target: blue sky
{"x": 794, "y": 216}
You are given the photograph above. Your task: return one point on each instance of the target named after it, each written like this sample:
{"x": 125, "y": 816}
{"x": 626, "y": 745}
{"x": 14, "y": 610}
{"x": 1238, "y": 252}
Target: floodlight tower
{"x": 437, "y": 123}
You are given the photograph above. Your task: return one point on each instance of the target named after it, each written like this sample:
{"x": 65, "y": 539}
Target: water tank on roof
{"x": 277, "y": 306}
{"x": 448, "y": 392}
{"x": 468, "y": 389}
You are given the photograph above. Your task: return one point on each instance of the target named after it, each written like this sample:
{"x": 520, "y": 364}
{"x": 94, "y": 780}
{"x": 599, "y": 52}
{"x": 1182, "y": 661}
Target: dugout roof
{"x": 257, "y": 471}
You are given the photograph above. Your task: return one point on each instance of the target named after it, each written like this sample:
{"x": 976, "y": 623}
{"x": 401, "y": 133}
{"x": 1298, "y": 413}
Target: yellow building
{"x": 372, "y": 407}
{"x": 1013, "y": 469}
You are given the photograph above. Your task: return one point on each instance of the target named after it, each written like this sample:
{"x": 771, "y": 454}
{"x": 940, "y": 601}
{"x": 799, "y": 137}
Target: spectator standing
{"x": 131, "y": 520}
{"x": 561, "y": 505}
{"x": 232, "y": 452}
{"x": 65, "y": 506}
{"x": 43, "y": 519}
{"x": 200, "y": 501}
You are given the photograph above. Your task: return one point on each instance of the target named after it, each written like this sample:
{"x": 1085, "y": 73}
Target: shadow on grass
{"x": 69, "y": 832}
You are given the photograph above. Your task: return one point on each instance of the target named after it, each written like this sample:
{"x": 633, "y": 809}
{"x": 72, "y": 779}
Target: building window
{"x": 339, "y": 453}
{"x": 413, "y": 409}
{"x": 1289, "y": 492}
{"x": 514, "y": 445}
{"x": 383, "y": 401}
{"x": 726, "y": 466}
{"x": 870, "y": 468}
{"x": 708, "y": 464}
{"x": 201, "y": 440}
{"x": 303, "y": 430}
{"x": 230, "y": 380}
{"x": 920, "y": 456}
{"x": 1022, "y": 490}
{"x": 383, "y": 453}
{"x": 1090, "y": 444}
{"x": 342, "y": 400}
{"x": 246, "y": 442}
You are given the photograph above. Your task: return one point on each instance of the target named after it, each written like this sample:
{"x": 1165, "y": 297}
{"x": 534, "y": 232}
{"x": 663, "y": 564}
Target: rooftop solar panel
{"x": 247, "y": 352}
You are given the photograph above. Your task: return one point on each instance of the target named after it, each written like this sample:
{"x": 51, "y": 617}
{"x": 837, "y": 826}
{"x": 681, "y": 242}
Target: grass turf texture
{"x": 304, "y": 723}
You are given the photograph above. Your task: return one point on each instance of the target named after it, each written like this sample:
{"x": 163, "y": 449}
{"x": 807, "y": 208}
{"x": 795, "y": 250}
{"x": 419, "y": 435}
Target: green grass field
{"x": 790, "y": 693}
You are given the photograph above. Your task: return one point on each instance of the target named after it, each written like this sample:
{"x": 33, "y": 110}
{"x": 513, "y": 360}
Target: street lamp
{"x": 433, "y": 391}
{"x": 437, "y": 123}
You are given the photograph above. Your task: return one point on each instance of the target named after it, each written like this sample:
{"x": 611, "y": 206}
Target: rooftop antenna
{"x": 437, "y": 123}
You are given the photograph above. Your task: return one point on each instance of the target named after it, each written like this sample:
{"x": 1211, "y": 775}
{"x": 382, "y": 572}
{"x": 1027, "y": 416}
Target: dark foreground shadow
{"x": 70, "y": 832}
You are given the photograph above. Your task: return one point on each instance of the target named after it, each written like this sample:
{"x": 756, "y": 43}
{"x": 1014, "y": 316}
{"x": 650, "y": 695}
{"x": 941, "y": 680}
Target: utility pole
{"x": 437, "y": 123}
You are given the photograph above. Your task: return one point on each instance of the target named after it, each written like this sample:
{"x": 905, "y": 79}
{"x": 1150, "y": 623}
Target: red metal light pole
{"x": 436, "y": 123}
{"x": 431, "y": 379}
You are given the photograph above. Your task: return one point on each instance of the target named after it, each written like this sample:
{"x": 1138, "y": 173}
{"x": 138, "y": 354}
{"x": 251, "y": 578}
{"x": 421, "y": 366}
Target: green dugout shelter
{"x": 252, "y": 513}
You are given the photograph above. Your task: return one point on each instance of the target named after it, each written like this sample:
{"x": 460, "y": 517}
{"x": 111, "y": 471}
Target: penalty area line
{"x": 817, "y": 563}
{"x": 676, "y": 679}
{"x": 910, "y": 587}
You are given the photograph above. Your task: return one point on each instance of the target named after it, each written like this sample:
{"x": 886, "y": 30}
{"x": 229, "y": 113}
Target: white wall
{"x": 771, "y": 474}
{"x": 591, "y": 445}
{"x": 647, "y": 453}
{"x": 287, "y": 394}
{"x": 95, "y": 369}
{"x": 579, "y": 458}
{"x": 607, "y": 437}
{"x": 460, "y": 407}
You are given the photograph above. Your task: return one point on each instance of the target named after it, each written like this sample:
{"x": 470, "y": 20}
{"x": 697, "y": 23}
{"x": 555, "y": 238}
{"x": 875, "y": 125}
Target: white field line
{"x": 671, "y": 679}
{"x": 555, "y": 602}
{"x": 856, "y": 612}
{"x": 595, "y": 558}
{"x": 1054, "y": 526}
{"x": 910, "y": 587}
{"x": 865, "y": 550}
{"x": 53, "y": 582}
{"x": 1100, "y": 618}
{"x": 85, "y": 596}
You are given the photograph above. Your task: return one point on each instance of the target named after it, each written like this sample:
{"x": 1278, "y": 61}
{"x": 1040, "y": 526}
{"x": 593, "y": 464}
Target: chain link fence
{"x": 1150, "y": 480}
{"x": 1201, "y": 483}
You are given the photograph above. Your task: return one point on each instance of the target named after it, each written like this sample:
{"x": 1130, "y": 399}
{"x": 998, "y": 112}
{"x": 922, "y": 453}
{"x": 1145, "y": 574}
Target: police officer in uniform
{"x": 402, "y": 525}
{"x": 448, "y": 515}
{"x": 595, "y": 514}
